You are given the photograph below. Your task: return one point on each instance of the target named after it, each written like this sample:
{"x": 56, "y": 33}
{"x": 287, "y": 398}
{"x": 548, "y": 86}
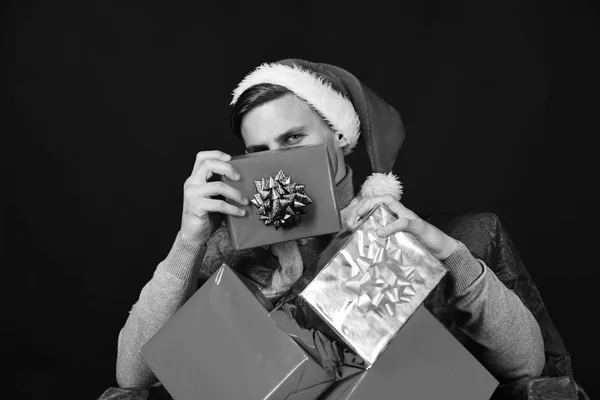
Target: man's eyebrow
{"x": 280, "y": 138}
{"x": 291, "y": 131}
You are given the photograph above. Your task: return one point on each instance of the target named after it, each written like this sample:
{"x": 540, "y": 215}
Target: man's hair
{"x": 258, "y": 95}
{"x": 253, "y": 97}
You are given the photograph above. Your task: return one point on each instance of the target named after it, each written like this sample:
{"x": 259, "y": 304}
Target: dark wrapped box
{"x": 293, "y": 191}
{"x": 423, "y": 362}
{"x": 222, "y": 345}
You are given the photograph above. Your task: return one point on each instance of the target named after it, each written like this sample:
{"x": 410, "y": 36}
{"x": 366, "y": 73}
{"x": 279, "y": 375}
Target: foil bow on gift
{"x": 376, "y": 277}
{"x": 280, "y": 201}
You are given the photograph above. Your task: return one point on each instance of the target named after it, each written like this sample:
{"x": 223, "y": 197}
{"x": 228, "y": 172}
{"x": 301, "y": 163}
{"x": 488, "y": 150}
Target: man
{"x": 291, "y": 103}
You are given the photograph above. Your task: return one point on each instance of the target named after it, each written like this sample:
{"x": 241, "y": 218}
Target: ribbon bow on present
{"x": 280, "y": 201}
{"x": 376, "y": 277}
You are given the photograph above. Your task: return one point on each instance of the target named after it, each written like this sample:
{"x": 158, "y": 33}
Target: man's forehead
{"x": 288, "y": 106}
{"x": 269, "y": 120}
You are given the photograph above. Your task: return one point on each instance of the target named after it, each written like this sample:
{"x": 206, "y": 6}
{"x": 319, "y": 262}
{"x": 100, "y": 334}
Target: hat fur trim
{"x": 334, "y": 107}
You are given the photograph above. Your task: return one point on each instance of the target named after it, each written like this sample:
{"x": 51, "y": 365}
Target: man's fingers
{"x": 361, "y": 208}
{"x": 389, "y": 200}
{"x": 399, "y": 225}
{"x": 217, "y": 188}
{"x": 414, "y": 226}
{"x": 209, "y": 167}
{"x": 203, "y": 206}
{"x": 207, "y": 155}
{"x": 351, "y": 217}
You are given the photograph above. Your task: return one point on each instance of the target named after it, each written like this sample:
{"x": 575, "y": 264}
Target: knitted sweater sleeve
{"x": 172, "y": 284}
{"x": 500, "y": 331}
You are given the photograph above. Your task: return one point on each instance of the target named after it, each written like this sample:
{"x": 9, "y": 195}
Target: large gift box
{"x": 352, "y": 327}
{"x": 292, "y": 194}
{"x": 363, "y": 289}
{"x": 222, "y": 345}
{"x": 423, "y": 362}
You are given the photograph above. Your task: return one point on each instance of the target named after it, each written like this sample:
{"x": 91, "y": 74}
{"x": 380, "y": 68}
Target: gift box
{"x": 293, "y": 196}
{"x": 222, "y": 344}
{"x": 362, "y": 291}
{"x": 423, "y": 362}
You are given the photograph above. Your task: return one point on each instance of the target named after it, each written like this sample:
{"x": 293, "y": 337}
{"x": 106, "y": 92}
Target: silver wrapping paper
{"x": 372, "y": 285}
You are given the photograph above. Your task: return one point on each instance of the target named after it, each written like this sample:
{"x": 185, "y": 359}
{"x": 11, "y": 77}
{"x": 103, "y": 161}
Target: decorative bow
{"x": 280, "y": 201}
{"x": 376, "y": 278}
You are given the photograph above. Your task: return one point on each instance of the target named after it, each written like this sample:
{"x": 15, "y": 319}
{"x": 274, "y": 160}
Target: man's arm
{"x": 173, "y": 283}
{"x": 176, "y": 278}
{"x": 503, "y": 333}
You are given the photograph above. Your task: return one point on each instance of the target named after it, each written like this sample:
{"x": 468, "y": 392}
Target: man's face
{"x": 287, "y": 122}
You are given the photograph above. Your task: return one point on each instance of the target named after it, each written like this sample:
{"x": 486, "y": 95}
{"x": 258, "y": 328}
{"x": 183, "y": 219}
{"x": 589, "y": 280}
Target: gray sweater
{"x": 499, "y": 330}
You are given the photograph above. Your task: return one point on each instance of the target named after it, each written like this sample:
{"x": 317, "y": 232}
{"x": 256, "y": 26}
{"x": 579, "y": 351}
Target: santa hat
{"x": 348, "y": 105}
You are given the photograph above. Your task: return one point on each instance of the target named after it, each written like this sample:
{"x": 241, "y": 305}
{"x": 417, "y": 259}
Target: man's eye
{"x": 293, "y": 139}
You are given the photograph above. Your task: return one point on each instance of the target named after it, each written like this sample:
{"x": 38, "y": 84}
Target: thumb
{"x": 399, "y": 225}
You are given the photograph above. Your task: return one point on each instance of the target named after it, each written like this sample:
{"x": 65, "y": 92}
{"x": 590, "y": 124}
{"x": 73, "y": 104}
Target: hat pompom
{"x": 380, "y": 184}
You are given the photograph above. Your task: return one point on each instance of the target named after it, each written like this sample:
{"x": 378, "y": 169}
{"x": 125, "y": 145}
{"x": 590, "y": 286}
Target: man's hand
{"x": 437, "y": 242}
{"x": 202, "y": 213}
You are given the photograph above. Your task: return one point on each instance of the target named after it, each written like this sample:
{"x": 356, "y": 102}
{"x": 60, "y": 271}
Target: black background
{"x": 111, "y": 102}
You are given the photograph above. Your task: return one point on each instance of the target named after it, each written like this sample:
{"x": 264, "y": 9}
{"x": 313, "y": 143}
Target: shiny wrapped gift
{"x": 363, "y": 290}
{"x": 292, "y": 194}
{"x": 221, "y": 344}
